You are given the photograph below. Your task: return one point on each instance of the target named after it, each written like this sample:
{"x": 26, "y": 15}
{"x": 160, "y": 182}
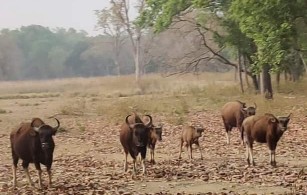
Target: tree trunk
{"x": 117, "y": 65}
{"x": 285, "y": 75}
{"x": 236, "y": 70}
{"x": 278, "y": 79}
{"x": 245, "y": 71}
{"x": 255, "y": 83}
{"x": 137, "y": 60}
{"x": 303, "y": 61}
{"x": 239, "y": 71}
{"x": 266, "y": 82}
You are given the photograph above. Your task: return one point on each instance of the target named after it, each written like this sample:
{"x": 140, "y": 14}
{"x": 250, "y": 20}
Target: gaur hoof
{"x": 153, "y": 162}
{"x": 273, "y": 164}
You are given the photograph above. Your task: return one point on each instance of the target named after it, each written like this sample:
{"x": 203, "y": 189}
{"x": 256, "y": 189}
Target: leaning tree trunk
{"x": 303, "y": 61}
{"x": 239, "y": 71}
{"x": 137, "y": 60}
{"x": 255, "y": 83}
{"x": 245, "y": 71}
{"x": 278, "y": 79}
{"x": 235, "y": 76}
{"x": 266, "y": 82}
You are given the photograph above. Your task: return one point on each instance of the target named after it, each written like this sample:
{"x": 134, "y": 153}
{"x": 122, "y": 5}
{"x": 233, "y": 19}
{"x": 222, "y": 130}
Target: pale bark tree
{"x": 122, "y": 8}
{"x": 113, "y": 27}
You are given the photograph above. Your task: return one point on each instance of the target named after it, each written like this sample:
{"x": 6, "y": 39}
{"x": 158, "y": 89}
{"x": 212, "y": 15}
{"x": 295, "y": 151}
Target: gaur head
{"x": 158, "y": 131}
{"x": 283, "y": 122}
{"x": 45, "y": 133}
{"x": 139, "y": 131}
{"x": 249, "y": 111}
{"x": 199, "y": 129}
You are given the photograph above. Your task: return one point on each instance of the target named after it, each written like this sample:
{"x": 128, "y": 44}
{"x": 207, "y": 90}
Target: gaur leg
{"x": 198, "y": 146}
{"x": 134, "y": 165}
{"x": 247, "y": 154}
{"x": 39, "y": 172}
{"x": 15, "y": 162}
{"x": 143, "y": 155}
{"x": 134, "y": 156}
{"x": 181, "y": 144}
{"x": 152, "y": 156}
{"x": 126, "y": 163}
{"x": 272, "y": 158}
{"x": 228, "y": 129}
{"x": 272, "y": 147}
{"x": 49, "y": 175}
{"x": 250, "y": 146}
{"x": 190, "y": 146}
{"x": 25, "y": 166}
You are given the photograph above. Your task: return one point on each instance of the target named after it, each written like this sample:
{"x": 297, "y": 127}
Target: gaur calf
{"x": 233, "y": 114}
{"x": 33, "y": 143}
{"x": 263, "y": 129}
{"x": 190, "y": 135}
{"x": 155, "y": 134}
{"x": 134, "y": 139}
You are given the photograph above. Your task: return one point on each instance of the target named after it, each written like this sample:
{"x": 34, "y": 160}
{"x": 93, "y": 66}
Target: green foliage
{"x": 36, "y": 52}
{"x": 271, "y": 24}
{"x": 159, "y": 13}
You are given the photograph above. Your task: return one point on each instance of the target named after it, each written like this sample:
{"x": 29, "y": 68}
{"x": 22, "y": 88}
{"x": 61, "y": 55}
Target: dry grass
{"x": 175, "y": 97}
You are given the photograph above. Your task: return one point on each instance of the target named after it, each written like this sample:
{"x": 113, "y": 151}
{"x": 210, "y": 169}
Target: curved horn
{"x": 58, "y": 125}
{"x": 127, "y": 122}
{"x": 150, "y": 120}
{"x": 255, "y": 105}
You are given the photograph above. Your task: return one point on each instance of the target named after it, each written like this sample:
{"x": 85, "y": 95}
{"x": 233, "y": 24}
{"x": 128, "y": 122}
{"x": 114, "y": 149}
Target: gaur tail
{"x": 242, "y": 133}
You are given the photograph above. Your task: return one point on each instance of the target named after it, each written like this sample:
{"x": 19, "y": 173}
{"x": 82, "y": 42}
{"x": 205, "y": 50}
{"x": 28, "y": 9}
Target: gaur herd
{"x": 32, "y": 142}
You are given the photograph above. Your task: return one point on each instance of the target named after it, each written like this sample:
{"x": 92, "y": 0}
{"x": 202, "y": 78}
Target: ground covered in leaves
{"x": 89, "y": 159}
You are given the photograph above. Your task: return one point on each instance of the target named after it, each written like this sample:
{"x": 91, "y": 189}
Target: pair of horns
{"x": 147, "y": 124}
{"x": 55, "y": 128}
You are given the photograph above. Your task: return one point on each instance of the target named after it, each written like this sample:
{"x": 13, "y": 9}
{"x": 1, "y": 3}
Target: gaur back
{"x": 233, "y": 114}
{"x": 263, "y": 129}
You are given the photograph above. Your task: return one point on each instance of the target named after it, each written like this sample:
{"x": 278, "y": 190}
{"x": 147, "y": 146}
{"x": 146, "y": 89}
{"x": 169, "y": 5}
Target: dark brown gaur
{"x": 263, "y": 129}
{"x": 134, "y": 139}
{"x": 233, "y": 114}
{"x": 190, "y": 136}
{"x": 33, "y": 143}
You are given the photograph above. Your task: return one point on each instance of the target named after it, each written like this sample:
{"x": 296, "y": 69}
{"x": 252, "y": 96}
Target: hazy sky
{"x": 78, "y": 14}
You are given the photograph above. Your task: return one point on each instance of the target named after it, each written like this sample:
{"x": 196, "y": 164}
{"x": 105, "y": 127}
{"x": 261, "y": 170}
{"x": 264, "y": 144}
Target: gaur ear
{"x": 289, "y": 116}
{"x": 243, "y": 110}
{"x": 255, "y": 105}
{"x": 273, "y": 120}
{"x": 131, "y": 126}
{"x": 36, "y": 129}
{"x": 33, "y": 133}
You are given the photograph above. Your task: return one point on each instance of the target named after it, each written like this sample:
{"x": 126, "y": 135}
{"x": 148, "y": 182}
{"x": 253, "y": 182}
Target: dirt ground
{"x": 88, "y": 157}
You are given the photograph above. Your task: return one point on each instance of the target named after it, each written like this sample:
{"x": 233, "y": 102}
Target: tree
{"x": 113, "y": 27}
{"x": 121, "y": 10}
{"x": 261, "y": 31}
{"x": 271, "y": 24}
